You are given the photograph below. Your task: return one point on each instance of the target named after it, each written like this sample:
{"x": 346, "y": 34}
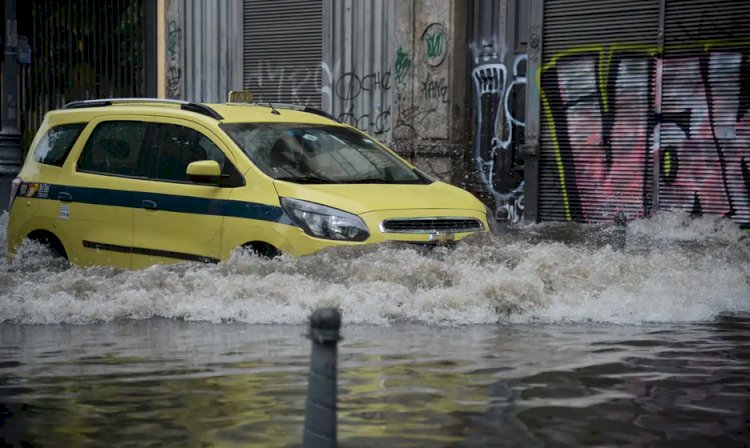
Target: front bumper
{"x": 302, "y": 244}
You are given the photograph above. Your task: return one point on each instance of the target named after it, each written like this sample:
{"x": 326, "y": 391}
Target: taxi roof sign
{"x": 240, "y": 96}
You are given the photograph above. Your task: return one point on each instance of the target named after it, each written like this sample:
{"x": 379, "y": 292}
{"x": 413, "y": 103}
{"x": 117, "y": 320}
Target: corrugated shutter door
{"x": 283, "y": 45}
{"x": 596, "y": 108}
{"x": 705, "y": 130}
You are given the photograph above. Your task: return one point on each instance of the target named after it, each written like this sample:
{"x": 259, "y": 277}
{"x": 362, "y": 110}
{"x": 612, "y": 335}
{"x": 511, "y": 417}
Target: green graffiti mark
{"x": 403, "y": 64}
{"x": 667, "y": 164}
{"x": 173, "y": 38}
{"x": 435, "y": 44}
{"x": 435, "y": 41}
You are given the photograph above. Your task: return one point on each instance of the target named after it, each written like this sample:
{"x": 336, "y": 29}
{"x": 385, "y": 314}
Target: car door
{"x": 96, "y": 191}
{"x": 178, "y": 219}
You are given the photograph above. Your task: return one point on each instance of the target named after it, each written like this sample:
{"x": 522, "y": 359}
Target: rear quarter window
{"x": 55, "y": 146}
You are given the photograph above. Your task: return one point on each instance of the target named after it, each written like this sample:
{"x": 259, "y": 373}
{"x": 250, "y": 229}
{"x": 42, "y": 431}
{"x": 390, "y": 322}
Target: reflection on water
{"x": 166, "y": 382}
{"x": 542, "y": 336}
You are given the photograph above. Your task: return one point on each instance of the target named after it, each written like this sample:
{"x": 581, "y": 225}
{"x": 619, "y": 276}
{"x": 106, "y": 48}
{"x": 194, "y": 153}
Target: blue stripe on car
{"x": 169, "y": 203}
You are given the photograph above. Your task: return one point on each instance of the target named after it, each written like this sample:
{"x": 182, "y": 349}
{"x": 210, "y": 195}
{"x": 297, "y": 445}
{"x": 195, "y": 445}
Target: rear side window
{"x": 114, "y": 148}
{"x": 54, "y": 147}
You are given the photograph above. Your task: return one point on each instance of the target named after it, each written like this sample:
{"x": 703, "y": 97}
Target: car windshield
{"x": 319, "y": 154}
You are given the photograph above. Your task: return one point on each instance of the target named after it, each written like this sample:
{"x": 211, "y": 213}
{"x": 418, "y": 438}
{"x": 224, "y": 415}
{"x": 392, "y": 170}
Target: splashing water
{"x": 674, "y": 269}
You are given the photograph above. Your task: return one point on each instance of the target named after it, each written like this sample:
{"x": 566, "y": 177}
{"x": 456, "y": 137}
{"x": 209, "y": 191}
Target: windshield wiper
{"x": 368, "y": 181}
{"x": 382, "y": 181}
{"x": 306, "y": 180}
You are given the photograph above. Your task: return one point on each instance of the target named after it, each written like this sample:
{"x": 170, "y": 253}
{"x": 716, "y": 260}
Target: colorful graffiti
{"x": 620, "y": 117}
{"x": 498, "y": 131}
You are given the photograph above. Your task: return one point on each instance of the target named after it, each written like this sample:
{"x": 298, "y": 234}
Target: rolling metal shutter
{"x": 705, "y": 131}
{"x": 283, "y": 46}
{"x": 597, "y": 108}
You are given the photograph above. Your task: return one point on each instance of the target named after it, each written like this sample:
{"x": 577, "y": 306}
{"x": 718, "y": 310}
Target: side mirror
{"x": 204, "y": 172}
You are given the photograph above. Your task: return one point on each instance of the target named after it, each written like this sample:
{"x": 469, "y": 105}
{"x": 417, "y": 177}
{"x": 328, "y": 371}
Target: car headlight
{"x": 325, "y": 222}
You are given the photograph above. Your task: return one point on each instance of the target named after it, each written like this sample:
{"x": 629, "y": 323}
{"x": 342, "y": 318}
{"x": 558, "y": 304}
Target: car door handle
{"x": 65, "y": 197}
{"x": 149, "y": 205}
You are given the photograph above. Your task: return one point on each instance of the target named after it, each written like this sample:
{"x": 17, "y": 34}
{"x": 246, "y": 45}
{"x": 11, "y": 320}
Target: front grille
{"x": 431, "y": 225}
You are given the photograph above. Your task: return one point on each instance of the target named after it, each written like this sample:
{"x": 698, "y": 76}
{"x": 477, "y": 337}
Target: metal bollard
{"x": 621, "y": 231}
{"x": 320, "y": 410}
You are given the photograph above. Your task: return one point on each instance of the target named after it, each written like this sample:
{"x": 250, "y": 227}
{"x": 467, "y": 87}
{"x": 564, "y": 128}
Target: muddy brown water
{"x": 544, "y": 336}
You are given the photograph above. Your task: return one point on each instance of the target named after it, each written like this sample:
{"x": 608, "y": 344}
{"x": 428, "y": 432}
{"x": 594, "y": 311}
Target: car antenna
{"x": 273, "y": 109}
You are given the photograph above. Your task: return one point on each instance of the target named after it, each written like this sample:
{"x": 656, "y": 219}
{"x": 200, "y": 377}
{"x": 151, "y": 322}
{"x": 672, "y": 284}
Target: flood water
{"x": 545, "y": 336}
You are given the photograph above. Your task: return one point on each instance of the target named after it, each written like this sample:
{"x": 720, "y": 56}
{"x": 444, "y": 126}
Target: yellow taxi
{"x": 134, "y": 182}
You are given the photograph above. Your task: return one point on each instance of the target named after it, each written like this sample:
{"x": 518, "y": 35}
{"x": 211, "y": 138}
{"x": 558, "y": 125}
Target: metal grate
{"x": 431, "y": 225}
{"x": 704, "y": 163}
{"x": 635, "y": 124}
{"x": 283, "y": 50}
{"x": 359, "y": 50}
{"x": 597, "y": 108}
{"x": 80, "y": 50}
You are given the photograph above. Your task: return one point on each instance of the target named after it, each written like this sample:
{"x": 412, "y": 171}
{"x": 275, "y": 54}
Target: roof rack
{"x": 184, "y": 105}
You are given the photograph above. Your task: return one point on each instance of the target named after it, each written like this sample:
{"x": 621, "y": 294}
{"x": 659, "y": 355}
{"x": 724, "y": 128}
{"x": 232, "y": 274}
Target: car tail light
{"x": 15, "y": 186}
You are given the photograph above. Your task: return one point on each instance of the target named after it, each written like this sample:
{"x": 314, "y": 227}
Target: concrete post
{"x": 11, "y": 154}
{"x": 320, "y": 411}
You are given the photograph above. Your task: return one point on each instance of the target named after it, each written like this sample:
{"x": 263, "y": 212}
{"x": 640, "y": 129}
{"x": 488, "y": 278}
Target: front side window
{"x": 54, "y": 147}
{"x": 319, "y": 154}
{"x": 113, "y": 148}
{"x": 175, "y": 147}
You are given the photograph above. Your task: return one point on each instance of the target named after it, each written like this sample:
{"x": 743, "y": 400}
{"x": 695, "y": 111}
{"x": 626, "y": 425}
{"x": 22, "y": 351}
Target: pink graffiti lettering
{"x": 620, "y": 120}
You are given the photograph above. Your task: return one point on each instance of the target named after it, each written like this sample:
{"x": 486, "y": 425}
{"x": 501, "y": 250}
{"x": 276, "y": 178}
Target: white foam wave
{"x": 482, "y": 281}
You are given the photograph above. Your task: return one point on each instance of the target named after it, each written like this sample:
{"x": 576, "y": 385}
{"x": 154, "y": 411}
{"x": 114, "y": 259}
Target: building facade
{"x": 547, "y": 109}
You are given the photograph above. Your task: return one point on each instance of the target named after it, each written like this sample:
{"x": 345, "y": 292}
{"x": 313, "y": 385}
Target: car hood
{"x": 364, "y": 198}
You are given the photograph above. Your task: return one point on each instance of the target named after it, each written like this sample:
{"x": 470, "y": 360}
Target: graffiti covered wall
{"x": 644, "y": 110}
{"x": 388, "y": 69}
{"x": 431, "y": 101}
{"x": 495, "y": 156}
{"x": 627, "y": 124}
{"x": 617, "y": 115}
{"x": 357, "y": 66}
{"x": 498, "y": 78}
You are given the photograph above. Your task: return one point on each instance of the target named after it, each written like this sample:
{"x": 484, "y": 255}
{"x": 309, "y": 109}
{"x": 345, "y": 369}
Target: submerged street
{"x": 545, "y": 335}
{"x": 161, "y": 382}
{"x": 529, "y": 220}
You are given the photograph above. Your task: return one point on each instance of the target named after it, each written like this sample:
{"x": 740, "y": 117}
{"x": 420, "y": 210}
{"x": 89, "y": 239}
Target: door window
{"x": 175, "y": 147}
{"x": 113, "y": 148}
